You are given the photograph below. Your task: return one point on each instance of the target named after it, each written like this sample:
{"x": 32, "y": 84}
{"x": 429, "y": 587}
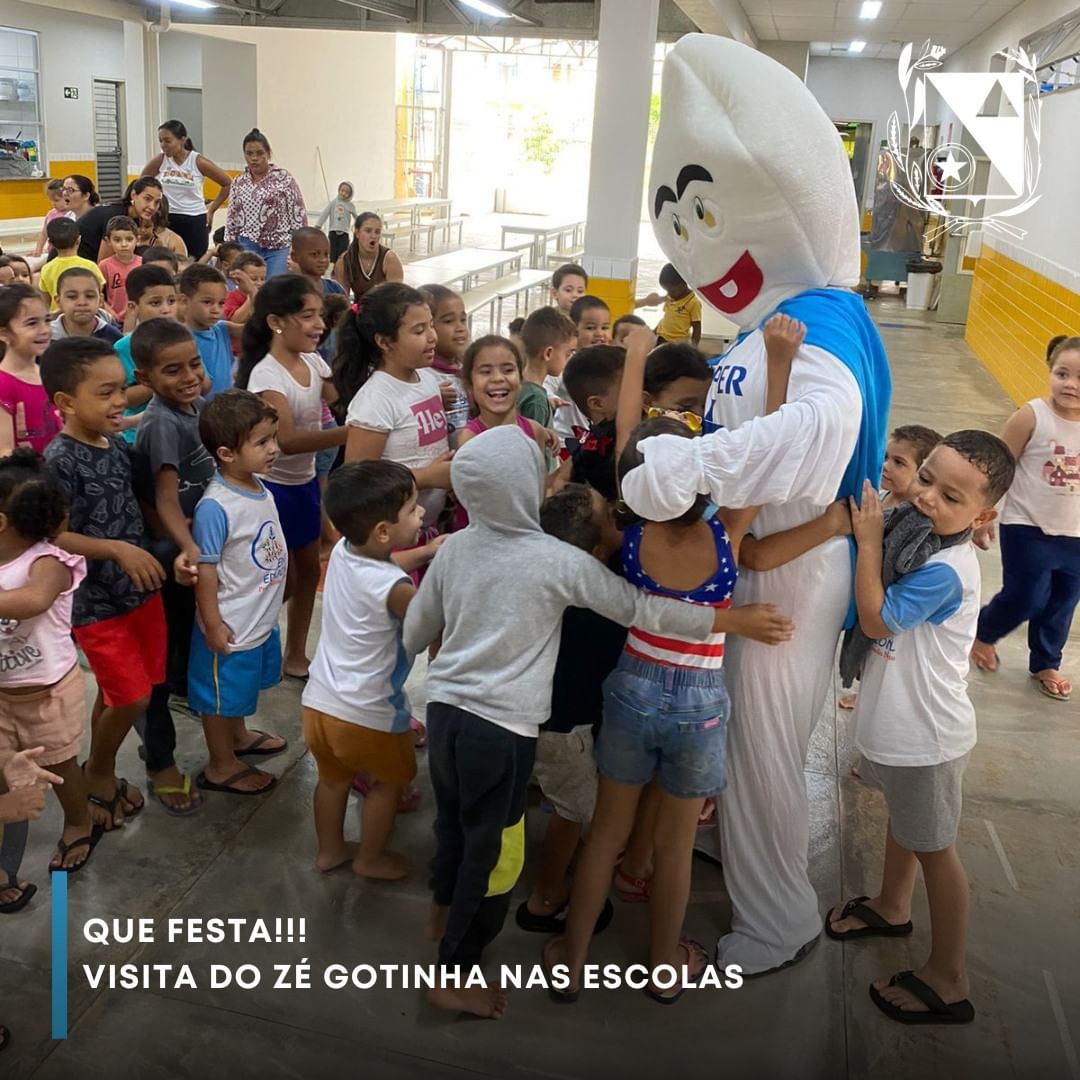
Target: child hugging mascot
{"x": 753, "y": 203}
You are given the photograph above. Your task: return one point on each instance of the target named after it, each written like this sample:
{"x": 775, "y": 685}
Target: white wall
{"x": 181, "y": 60}
{"x": 1024, "y": 19}
{"x": 858, "y": 90}
{"x": 229, "y": 75}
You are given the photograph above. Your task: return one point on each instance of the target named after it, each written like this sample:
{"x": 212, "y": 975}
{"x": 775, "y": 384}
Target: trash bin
{"x": 922, "y": 277}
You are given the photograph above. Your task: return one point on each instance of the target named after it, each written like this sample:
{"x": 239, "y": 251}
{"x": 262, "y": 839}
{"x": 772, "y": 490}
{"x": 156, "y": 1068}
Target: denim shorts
{"x": 666, "y": 722}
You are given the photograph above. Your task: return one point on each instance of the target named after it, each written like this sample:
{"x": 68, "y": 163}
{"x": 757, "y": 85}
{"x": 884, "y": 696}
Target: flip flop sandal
{"x": 559, "y": 997}
{"x": 90, "y": 841}
{"x": 875, "y": 926}
{"x": 25, "y": 893}
{"x": 109, "y": 806}
{"x": 555, "y": 923}
{"x": 256, "y": 748}
{"x": 136, "y": 808}
{"x": 193, "y": 806}
{"x": 960, "y": 1012}
{"x": 1044, "y": 687}
{"x": 984, "y": 667}
{"x": 203, "y": 784}
{"x": 665, "y": 997}
{"x": 632, "y": 890}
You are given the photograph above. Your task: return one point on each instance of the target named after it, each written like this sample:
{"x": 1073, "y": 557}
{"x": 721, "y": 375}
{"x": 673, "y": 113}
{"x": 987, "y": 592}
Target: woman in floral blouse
{"x": 265, "y": 206}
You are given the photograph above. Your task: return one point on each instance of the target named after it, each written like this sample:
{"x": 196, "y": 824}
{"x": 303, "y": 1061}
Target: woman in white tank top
{"x": 1040, "y": 527}
{"x": 181, "y": 171}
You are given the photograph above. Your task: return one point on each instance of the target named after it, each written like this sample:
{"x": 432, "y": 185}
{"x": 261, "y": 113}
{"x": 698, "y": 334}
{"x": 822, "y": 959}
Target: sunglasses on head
{"x": 690, "y": 419}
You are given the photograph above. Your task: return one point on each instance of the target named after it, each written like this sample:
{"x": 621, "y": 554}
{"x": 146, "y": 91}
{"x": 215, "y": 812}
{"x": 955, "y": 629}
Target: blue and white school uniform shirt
{"x": 360, "y": 666}
{"x": 913, "y": 707}
{"x": 215, "y": 350}
{"x": 239, "y": 531}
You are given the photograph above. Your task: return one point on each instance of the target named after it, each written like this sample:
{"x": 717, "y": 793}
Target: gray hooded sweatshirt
{"x": 497, "y": 591}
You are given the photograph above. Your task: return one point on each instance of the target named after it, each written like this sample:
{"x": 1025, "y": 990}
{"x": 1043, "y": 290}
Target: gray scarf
{"x": 907, "y": 544}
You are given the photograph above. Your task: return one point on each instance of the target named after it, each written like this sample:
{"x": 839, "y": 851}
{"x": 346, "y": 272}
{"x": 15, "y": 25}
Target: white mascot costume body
{"x": 754, "y": 205}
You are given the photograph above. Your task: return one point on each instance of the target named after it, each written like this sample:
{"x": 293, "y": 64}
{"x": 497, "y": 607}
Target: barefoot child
{"x": 236, "y": 645}
{"x": 914, "y": 723}
{"x": 1040, "y": 528}
{"x": 42, "y": 692}
{"x": 356, "y": 714}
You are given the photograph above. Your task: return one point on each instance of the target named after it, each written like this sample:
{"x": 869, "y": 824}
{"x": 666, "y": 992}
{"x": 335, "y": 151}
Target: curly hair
{"x": 30, "y": 497}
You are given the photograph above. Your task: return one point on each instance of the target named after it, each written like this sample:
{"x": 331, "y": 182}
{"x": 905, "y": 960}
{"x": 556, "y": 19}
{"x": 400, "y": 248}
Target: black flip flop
{"x": 90, "y": 841}
{"x": 25, "y": 893}
{"x": 109, "y": 806}
{"x": 875, "y": 926}
{"x": 664, "y": 998}
{"x": 555, "y": 923}
{"x": 136, "y": 809}
{"x": 960, "y": 1012}
{"x": 203, "y": 784}
{"x": 255, "y": 749}
{"x": 559, "y": 997}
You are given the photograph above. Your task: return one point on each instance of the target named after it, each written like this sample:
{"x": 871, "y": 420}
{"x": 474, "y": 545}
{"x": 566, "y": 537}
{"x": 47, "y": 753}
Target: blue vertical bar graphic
{"x": 59, "y": 955}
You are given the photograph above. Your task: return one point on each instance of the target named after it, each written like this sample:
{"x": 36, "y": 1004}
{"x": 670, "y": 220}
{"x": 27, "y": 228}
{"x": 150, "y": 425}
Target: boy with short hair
{"x": 164, "y": 257}
{"x": 117, "y": 615}
{"x": 152, "y": 294}
{"x": 222, "y": 256}
{"x": 682, "y": 308}
{"x": 78, "y": 299}
{"x": 568, "y": 283}
{"x": 121, "y": 233}
{"x": 592, "y": 379}
{"x": 548, "y": 337}
{"x": 236, "y": 645}
{"x": 914, "y": 723}
{"x": 589, "y": 649}
{"x": 205, "y": 293}
{"x": 623, "y": 327}
{"x": 356, "y": 714}
{"x": 311, "y": 254}
{"x": 63, "y": 234}
{"x": 178, "y": 470}
{"x": 592, "y": 317}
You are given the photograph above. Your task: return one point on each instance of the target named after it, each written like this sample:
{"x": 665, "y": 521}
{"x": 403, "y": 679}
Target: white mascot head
{"x": 751, "y": 191}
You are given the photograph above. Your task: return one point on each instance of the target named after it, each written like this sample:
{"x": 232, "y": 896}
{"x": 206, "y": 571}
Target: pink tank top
{"x": 477, "y": 426}
{"x": 38, "y": 651}
{"x": 36, "y": 420}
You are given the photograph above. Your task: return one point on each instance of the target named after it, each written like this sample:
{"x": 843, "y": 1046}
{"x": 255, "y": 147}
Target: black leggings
{"x": 193, "y": 230}
{"x": 339, "y": 241}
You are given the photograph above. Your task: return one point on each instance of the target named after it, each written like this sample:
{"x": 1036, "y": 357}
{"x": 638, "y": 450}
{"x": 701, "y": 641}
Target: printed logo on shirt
{"x": 17, "y": 651}
{"x": 728, "y": 379}
{"x": 1062, "y": 470}
{"x": 430, "y": 421}
{"x": 269, "y": 555}
{"x": 885, "y": 648}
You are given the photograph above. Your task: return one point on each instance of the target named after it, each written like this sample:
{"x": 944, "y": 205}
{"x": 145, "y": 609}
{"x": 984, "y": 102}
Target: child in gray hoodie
{"x": 496, "y": 593}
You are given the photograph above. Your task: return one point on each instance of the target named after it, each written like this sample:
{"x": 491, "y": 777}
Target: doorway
{"x": 108, "y": 143}
{"x": 184, "y": 103}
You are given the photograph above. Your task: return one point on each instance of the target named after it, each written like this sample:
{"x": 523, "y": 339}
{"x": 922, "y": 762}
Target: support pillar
{"x": 624, "y": 79}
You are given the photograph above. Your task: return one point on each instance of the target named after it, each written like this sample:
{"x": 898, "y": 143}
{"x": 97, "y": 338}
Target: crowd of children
{"x": 178, "y": 444}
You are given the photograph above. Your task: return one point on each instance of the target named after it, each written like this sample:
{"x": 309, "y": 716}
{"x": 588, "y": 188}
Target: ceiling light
{"x": 201, "y": 5}
{"x": 485, "y": 8}
{"x": 871, "y": 9}
{"x": 856, "y": 46}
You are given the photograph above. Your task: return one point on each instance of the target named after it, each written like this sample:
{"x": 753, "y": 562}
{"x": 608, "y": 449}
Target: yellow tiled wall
{"x": 1014, "y": 312}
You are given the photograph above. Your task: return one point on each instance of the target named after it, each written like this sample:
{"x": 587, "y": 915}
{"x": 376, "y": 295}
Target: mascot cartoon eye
{"x": 680, "y": 229}
{"x": 706, "y": 213}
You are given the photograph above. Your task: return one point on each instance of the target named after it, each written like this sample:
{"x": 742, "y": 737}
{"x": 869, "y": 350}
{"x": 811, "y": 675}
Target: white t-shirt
{"x": 913, "y": 706}
{"x": 240, "y": 532}
{"x": 360, "y": 667}
{"x": 411, "y": 415}
{"x": 305, "y": 403}
{"x": 568, "y": 417}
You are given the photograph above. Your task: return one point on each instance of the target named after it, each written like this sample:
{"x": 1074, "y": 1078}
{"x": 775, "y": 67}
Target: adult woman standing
{"x": 265, "y": 206}
{"x": 367, "y": 263}
{"x": 180, "y": 170}
{"x": 144, "y": 202}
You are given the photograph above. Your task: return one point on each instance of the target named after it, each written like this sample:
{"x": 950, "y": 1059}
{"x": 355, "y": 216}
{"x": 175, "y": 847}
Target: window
{"x": 22, "y": 151}
{"x": 1056, "y": 52}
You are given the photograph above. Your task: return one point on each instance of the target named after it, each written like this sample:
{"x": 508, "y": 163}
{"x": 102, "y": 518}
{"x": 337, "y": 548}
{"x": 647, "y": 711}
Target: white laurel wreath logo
{"x": 913, "y": 165}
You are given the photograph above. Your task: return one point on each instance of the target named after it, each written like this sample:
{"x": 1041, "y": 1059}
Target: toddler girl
{"x": 338, "y": 213}
{"x": 20, "y": 269}
{"x": 27, "y": 417}
{"x": 451, "y": 340}
{"x": 1040, "y": 528}
{"x": 279, "y": 361}
{"x": 42, "y": 690}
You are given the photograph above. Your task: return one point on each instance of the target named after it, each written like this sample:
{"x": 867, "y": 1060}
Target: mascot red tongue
{"x": 753, "y": 203}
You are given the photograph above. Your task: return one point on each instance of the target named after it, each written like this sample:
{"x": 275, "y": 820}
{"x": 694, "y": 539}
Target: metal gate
{"x": 107, "y": 149}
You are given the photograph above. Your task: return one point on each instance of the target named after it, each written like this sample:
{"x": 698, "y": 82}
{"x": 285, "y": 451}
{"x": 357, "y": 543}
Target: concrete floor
{"x": 253, "y": 858}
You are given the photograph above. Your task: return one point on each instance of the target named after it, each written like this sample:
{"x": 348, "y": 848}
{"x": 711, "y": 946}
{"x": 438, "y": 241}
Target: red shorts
{"x": 127, "y": 652}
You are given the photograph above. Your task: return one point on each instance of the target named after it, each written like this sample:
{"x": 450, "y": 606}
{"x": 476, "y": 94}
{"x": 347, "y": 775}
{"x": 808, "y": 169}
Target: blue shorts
{"x": 298, "y": 507}
{"x": 666, "y": 722}
{"x": 324, "y": 459}
{"x": 229, "y": 684}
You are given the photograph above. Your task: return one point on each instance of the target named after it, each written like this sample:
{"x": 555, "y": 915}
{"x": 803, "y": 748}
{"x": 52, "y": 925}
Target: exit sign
{"x": 71, "y": 92}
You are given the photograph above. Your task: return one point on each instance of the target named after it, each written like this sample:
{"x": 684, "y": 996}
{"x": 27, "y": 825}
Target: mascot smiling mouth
{"x": 737, "y": 288}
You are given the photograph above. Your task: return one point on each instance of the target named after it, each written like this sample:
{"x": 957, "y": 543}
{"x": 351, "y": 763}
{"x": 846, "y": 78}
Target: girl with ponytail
{"x": 279, "y": 361}
{"x": 180, "y": 170}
